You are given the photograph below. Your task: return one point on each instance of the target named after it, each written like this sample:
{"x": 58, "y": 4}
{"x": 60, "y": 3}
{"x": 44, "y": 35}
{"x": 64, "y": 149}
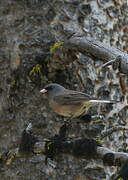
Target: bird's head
{"x": 50, "y": 90}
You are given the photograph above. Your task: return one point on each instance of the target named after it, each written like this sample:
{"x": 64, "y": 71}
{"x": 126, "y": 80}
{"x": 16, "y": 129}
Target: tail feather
{"x": 103, "y": 101}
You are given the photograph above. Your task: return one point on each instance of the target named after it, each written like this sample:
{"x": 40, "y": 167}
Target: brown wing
{"x": 68, "y": 97}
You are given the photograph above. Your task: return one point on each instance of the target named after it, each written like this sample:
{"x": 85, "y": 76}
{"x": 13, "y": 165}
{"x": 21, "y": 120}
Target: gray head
{"x": 52, "y": 89}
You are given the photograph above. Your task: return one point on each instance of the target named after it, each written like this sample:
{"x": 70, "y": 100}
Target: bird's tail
{"x": 96, "y": 101}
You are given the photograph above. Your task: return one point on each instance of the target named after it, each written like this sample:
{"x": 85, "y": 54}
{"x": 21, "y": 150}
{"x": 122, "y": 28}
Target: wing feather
{"x": 68, "y": 97}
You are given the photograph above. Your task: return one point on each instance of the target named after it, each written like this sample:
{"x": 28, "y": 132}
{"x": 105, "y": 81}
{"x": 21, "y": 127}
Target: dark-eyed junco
{"x": 69, "y": 103}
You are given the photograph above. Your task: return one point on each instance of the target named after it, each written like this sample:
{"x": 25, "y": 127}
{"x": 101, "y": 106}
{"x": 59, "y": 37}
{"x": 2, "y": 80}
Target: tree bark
{"x": 99, "y": 50}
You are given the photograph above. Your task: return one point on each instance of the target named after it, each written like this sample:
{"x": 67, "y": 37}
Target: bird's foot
{"x": 86, "y": 118}
{"x": 68, "y": 123}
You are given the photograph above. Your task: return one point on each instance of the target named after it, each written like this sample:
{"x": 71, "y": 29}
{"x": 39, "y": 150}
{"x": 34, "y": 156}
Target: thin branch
{"x": 111, "y": 130}
{"x": 118, "y": 156}
{"x": 109, "y": 63}
{"x": 81, "y": 147}
{"x": 98, "y": 50}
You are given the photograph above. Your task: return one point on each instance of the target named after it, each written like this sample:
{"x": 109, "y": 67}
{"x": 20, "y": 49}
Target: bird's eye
{"x": 49, "y": 88}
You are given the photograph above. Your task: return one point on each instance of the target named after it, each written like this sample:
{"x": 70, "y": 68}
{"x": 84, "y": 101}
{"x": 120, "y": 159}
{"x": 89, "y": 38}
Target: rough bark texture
{"x": 99, "y": 50}
{"x": 28, "y": 29}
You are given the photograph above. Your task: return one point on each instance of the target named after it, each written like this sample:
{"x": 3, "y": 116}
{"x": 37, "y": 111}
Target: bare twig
{"x": 109, "y": 63}
{"x": 111, "y": 130}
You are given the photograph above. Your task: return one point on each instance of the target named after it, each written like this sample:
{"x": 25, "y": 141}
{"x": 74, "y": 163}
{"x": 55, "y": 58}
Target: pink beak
{"x": 43, "y": 91}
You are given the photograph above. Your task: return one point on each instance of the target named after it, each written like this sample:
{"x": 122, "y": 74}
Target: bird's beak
{"x": 43, "y": 91}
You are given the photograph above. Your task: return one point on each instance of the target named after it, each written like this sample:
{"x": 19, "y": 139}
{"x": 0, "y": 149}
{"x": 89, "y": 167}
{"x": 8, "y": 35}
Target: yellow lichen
{"x": 56, "y": 45}
{"x": 13, "y": 82}
{"x": 98, "y": 141}
{"x": 36, "y": 69}
{"x": 120, "y": 178}
{"x": 46, "y": 59}
{"x": 48, "y": 145}
{"x": 46, "y": 139}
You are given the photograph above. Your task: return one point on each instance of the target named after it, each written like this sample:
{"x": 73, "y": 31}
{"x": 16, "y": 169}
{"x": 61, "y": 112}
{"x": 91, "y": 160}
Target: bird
{"x": 69, "y": 103}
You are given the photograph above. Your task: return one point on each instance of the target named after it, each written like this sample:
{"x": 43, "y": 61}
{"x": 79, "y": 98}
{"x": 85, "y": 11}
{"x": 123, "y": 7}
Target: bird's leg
{"x": 68, "y": 121}
{"x": 86, "y": 118}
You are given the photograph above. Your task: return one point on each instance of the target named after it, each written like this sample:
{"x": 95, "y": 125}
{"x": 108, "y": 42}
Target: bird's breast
{"x": 73, "y": 110}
